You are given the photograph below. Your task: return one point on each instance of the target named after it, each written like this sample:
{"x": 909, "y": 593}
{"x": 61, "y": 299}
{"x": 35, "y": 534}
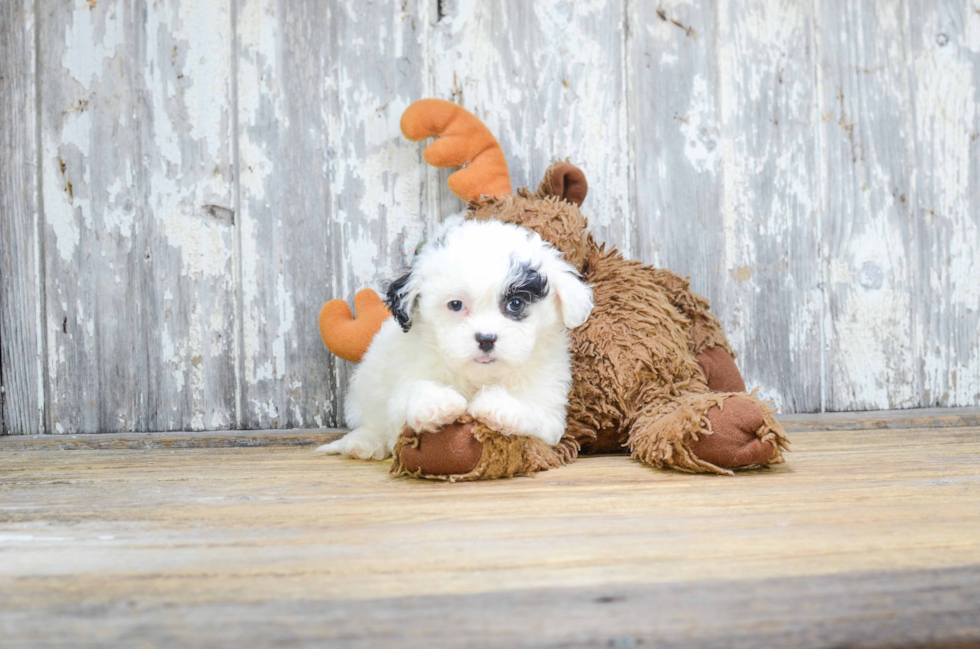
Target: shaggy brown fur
{"x": 638, "y": 385}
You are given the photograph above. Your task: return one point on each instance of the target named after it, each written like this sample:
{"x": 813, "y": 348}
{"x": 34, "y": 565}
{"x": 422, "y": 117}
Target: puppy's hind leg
{"x": 361, "y": 443}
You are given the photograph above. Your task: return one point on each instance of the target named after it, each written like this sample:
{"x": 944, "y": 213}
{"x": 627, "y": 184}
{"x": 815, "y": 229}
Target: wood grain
{"x": 855, "y": 534}
{"x": 21, "y": 338}
{"x": 827, "y": 611}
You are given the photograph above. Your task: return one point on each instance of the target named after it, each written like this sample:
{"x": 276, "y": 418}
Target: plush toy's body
{"x": 652, "y": 371}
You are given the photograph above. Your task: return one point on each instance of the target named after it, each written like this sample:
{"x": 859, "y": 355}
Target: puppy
{"x": 480, "y": 327}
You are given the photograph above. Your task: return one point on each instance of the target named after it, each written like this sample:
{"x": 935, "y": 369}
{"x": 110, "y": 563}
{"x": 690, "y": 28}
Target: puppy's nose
{"x": 486, "y": 341}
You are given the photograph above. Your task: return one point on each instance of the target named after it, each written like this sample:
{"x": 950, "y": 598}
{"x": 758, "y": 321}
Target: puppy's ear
{"x": 574, "y": 295}
{"x": 448, "y": 225}
{"x": 401, "y": 297}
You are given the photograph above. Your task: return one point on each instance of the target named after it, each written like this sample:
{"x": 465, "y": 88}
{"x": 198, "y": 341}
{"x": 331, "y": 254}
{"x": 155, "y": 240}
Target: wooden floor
{"x": 864, "y": 538}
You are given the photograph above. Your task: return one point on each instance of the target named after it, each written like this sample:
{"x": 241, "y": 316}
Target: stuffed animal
{"x": 653, "y": 373}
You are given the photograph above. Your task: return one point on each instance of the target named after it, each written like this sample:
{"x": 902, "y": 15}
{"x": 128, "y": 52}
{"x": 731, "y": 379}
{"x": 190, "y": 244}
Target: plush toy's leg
{"x": 705, "y": 331}
{"x": 720, "y": 371}
{"x": 707, "y": 433}
{"x": 468, "y": 450}
{"x": 708, "y": 341}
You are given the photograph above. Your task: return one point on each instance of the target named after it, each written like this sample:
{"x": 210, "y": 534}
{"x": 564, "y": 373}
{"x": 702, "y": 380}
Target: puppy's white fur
{"x": 434, "y": 370}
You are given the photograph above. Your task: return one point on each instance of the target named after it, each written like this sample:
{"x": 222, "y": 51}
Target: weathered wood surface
{"x": 851, "y": 610}
{"x": 768, "y": 212}
{"x": 861, "y": 538}
{"x": 196, "y": 179}
{"x": 944, "y": 48}
{"x": 21, "y": 294}
{"x": 868, "y": 162}
{"x": 136, "y": 129}
{"x": 549, "y": 79}
{"x": 330, "y": 197}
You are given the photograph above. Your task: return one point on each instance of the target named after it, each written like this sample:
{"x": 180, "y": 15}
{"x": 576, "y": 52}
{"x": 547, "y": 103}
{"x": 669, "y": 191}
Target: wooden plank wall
{"x": 21, "y": 339}
{"x": 185, "y": 183}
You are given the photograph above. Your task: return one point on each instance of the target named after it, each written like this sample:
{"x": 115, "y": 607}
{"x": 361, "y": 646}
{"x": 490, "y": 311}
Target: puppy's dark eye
{"x": 455, "y": 305}
{"x": 515, "y": 306}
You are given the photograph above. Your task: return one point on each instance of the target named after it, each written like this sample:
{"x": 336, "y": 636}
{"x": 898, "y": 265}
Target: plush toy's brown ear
{"x": 566, "y": 181}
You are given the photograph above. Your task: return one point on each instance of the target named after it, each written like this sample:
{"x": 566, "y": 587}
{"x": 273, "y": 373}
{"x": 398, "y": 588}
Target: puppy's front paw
{"x": 500, "y": 411}
{"x": 360, "y": 444}
{"x": 433, "y": 408}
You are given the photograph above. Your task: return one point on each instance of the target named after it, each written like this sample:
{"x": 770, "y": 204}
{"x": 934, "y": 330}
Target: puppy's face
{"x": 484, "y": 293}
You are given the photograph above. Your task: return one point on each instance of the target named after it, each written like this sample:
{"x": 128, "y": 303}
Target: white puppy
{"x": 480, "y": 327}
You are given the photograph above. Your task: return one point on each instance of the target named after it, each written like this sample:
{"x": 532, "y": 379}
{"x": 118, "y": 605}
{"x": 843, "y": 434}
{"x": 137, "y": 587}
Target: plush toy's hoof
{"x": 734, "y": 442}
{"x": 454, "y": 450}
{"x": 468, "y": 450}
{"x": 720, "y": 370}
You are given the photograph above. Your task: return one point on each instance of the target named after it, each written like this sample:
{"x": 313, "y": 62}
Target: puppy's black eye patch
{"x": 526, "y": 286}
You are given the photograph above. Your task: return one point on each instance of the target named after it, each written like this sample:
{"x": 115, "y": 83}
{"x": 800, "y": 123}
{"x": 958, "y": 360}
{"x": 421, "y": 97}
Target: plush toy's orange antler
{"x": 346, "y": 336}
{"x": 463, "y": 141}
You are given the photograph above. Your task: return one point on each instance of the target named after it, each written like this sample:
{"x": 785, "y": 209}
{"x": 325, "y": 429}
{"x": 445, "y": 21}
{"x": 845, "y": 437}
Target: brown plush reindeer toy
{"x": 652, "y": 371}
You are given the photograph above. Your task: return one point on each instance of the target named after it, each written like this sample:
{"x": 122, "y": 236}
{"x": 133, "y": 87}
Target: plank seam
{"x": 630, "y": 116}
{"x": 237, "y": 224}
{"x": 40, "y": 245}
{"x": 145, "y": 188}
{"x": 911, "y": 190}
{"x": 820, "y": 204}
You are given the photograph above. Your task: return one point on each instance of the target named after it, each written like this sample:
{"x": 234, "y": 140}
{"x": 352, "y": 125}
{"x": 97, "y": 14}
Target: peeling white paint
{"x": 203, "y": 246}
{"x": 362, "y": 259}
{"x": 946, "y": 124}
{"x": 392, "y": 181}
{"x": 265, "y": 410}
{"x": 699, "y": 129}
{"x": 66, "y": 191}
{"x": 866, "y": 121}
{"x": 206, "y": 66}
{"x": 251, "y": 320}
{"x": 257, "y": 83}
{"x": 91, "y": 38}
{"x": 769, "y": 206}
{"x": 58, "y": 209}
{"x": 873, "y": 327}
{"x": 120, "y": 213}
{"x": 286, "y": 320}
